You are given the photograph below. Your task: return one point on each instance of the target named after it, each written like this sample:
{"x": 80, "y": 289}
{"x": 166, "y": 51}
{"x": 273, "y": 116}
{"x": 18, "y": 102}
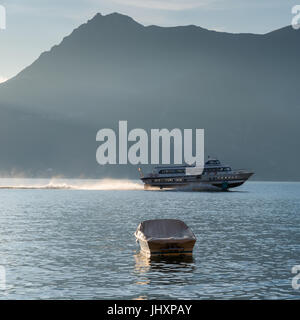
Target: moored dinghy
{"x": 163, "y": 237}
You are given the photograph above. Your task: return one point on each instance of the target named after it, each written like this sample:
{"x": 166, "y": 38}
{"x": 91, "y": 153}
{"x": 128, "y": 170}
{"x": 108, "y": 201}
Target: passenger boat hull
{"x": 213, "y": 183}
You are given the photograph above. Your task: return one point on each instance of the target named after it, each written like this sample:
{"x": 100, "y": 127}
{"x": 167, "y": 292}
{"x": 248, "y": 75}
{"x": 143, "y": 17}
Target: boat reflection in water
{"x": 143, "y": 264}
{"x": 160, "y": 270}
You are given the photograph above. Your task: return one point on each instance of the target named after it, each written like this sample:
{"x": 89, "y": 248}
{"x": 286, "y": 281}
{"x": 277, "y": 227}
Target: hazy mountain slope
{"x": 242, "y": 88}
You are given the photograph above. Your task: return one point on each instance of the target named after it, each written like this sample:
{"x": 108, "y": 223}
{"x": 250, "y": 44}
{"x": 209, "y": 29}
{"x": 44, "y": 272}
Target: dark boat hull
{"x": 196, "y": 183}
{"x": 167, "y": 248}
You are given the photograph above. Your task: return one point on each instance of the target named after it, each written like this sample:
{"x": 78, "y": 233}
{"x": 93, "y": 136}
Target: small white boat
{"x": 165, "y": 237}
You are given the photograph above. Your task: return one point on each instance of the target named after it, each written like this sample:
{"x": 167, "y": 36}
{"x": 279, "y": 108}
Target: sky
{"x": 34, "y": 26}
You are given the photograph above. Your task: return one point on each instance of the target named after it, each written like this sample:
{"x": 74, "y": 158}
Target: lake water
{"x": 75, "y": 240}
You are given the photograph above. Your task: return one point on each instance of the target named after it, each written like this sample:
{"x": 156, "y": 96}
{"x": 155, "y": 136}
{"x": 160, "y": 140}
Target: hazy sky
{"x": 34, "y": 26}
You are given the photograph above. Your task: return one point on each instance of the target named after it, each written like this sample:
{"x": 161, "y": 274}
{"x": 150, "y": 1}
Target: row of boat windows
{"x": 174, "y": 171}
{"x": 223, "y": 178}
{"x": 213, "y": 162}
{"x": 169, "y": 180}
{"x": 182, "y": 179}
{"x": 171, "y": 171}
{"x": 217, "y": 169}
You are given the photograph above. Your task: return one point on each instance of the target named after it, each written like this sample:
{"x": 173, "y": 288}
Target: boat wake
{"x": 71, "y": 184}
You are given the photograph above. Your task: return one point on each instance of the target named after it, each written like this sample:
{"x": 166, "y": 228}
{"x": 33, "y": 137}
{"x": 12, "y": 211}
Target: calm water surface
{"x": 79, "y": 244}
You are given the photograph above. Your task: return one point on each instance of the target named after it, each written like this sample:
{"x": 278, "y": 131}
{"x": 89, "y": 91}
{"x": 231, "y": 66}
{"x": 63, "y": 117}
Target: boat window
{"x": 212, "y": 162}
{"x": 171, "y": 171}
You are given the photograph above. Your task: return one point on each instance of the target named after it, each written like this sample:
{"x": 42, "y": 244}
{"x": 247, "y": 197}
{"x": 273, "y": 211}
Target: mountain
{"x": 243, "y": 89}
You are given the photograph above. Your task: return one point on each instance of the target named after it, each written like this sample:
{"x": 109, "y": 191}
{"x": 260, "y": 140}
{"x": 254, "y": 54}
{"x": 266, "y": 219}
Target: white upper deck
{"x": 211, "y": 165}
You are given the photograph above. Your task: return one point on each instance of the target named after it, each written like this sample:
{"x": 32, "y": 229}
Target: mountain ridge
{"x": 126, "y": 18}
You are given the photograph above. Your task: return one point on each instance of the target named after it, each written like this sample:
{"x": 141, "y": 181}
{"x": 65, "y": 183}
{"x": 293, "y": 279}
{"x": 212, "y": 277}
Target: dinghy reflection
{"x": 152, "y": 270}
